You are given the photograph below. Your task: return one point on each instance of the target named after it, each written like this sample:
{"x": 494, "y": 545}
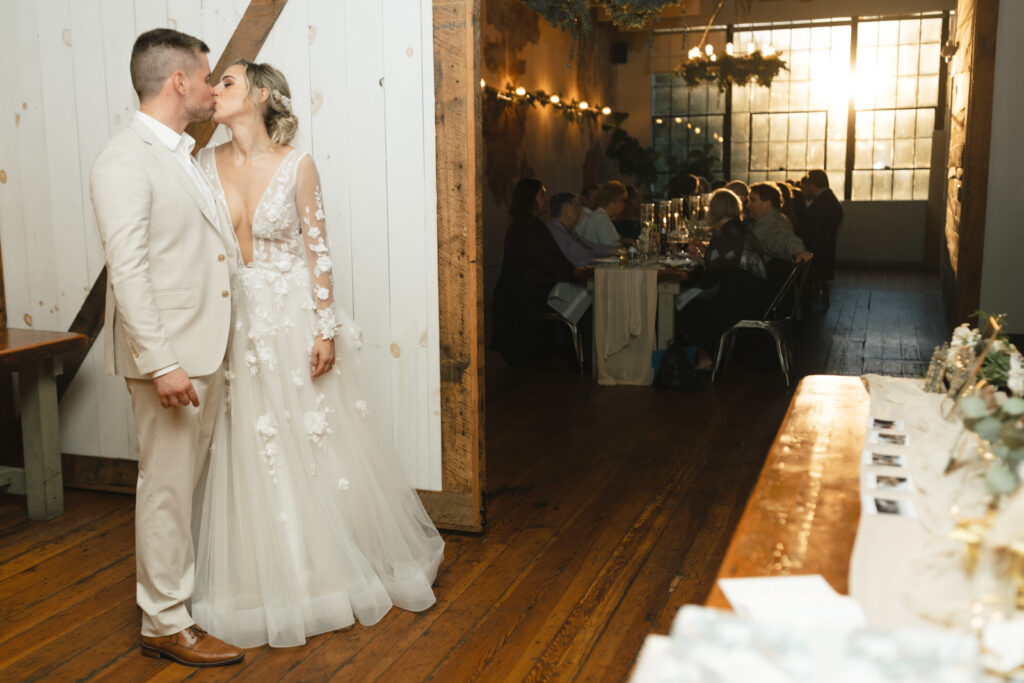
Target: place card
{"x": 870, "y": 457}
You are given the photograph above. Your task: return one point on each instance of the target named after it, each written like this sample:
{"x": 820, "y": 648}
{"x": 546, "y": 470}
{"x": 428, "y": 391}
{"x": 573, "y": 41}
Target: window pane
{"x": 757, "y": 177}
{"x": 759, "y": 98}
{"x": 931, "y": 30}
{"x": 816, "y": 126}
{"x": 881, "y": 185}
{"x": 815, "y": 154}
{"x": 740, "y": 127}
{"x": 739, "y": 158}
{"x": 903, "y": 185}
{"x": 741, "y": 98}
{"x": 779, "y": 95}
{"x": 882, "y": 154}
{"x": 797, "y": 155}
{"x": 906, "y": 119}
{"x": 928, "y": 91}
{"x": 861, "y": 185}
{"x": 799, "y": 65}
{"x": 888, "y": 32}
{"x": 923, "y": 153}
{"x": 779, "y": 127}
{"x": 698, "y": 100}
{"x": 865, "y": 125}
{"x": 929, "y": 61}
{"x": 862, "y": 156}
{"x": 680, "y": 104}
{"x": 798, "y": 95}
{"x": 885, "y": 123}
{"x": 908, "y": 59}
{"x": 906, "y": 89}
{"x": 759, "y": 127}
{"x": 798, "y": 127}
{"x": 801, "y": 39}
{"x": 925, "y": 121}
{"x": 759, "y": 155}
{"x": 776, "y": 155}
{"x": 903, "y": 152}
{"x": 921, "y": 184}
{"x": 910, "y": 31}
{"x": 835, "y": 156}
{"x": 661, "y": 101}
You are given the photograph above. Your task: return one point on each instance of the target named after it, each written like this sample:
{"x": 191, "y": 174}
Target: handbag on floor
{"x": 676, "y": 370}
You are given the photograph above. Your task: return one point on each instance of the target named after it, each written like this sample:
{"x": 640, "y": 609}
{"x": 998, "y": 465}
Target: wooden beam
{"x": 249, "y": 36}
{"x": 460, "y": 248}
{"x": 970, "y": 141}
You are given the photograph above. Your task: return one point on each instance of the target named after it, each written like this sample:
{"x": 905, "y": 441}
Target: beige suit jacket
{"x": 169, "y": 260}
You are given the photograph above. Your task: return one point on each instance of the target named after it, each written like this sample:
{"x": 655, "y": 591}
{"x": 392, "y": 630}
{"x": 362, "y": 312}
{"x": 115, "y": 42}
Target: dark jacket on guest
{"x": 533, "y": 263}
{"x": 824, "y": 215}
{"x": 735, "y": 287}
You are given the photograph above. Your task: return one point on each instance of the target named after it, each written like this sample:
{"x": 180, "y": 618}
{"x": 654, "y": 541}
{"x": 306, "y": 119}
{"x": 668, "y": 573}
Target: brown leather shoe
{"x": 192, "y": 647}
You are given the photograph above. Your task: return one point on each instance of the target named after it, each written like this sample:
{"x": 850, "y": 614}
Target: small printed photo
{"x": 869, "y": 457}
{"x": 879, "y": 423}
{"x": 892, "y": 482}
{"x": 887, "y": 506}
{"x": 891, "y": 438}
{"x": 884, "y": 505}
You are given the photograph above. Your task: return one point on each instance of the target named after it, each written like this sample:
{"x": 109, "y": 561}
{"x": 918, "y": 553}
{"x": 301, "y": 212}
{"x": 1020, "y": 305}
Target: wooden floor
{"x": 608, "y": 508}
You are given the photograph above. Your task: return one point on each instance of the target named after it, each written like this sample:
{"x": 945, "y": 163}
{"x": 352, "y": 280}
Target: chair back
{"x": 793, "y": 284}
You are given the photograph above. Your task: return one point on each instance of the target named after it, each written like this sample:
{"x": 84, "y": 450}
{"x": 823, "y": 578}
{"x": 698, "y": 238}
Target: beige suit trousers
{"x": 174, "y": 451}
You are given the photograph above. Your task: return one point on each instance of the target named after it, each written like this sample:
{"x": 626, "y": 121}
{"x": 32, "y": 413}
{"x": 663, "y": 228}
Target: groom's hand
{"x": 175, "y": 389}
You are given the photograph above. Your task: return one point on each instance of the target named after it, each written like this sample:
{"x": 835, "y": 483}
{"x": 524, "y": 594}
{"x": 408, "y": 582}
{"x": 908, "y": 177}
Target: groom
{"x": 169, "y": 262}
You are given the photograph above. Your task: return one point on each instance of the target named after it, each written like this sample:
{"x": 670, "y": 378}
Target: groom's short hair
{"x": 159, "y": 53}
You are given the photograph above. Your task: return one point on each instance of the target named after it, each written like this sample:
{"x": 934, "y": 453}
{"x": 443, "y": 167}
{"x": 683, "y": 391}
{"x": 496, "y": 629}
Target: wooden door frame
{"x": 457, "y": 119}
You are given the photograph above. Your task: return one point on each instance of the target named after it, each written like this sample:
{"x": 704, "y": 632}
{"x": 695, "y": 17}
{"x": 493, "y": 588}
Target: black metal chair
{"x": 777, "y": 321}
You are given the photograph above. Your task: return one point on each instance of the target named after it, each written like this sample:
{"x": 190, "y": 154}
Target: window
{"x": 895, "y": 94}
{"x": 802, "y": 120}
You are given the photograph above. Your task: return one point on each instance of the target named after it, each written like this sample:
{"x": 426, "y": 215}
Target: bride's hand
{"x": 323, "y": 357}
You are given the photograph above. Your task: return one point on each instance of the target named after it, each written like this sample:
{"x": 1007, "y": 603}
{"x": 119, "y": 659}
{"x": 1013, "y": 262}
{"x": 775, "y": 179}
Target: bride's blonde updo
{"x": 281, "y": 122}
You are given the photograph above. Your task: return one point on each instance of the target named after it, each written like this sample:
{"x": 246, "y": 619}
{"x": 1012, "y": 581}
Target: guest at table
{"x": 734, "y": 285}
{"x": 740, "y": 189}
{"x": 565, "y": 212}
{"x": 683, "y": 185}
{"x": 789, "y": 210}
{"x": 628, "y": 224}
{"x": 531, "y": 266}
{"x": 771, "y": 228}
{"x": 824, "y": 215}
{"x": 599, "y": 227}
{"x": 588, "y": 200}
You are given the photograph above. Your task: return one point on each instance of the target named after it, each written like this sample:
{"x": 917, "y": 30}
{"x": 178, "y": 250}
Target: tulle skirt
{"x": 304, "y": 522}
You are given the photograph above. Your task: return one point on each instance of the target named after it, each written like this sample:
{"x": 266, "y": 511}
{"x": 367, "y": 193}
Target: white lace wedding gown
{"x": 305, "y": 522}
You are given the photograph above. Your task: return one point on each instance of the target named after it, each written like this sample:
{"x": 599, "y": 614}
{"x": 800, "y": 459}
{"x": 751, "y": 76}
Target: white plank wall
{"x": 361, "y": 75}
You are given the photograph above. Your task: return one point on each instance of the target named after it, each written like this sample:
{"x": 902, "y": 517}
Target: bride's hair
{"x": 281, "y": 122}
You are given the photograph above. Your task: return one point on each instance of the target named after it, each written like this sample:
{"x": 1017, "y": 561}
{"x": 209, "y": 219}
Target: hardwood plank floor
{"x": 608, "y": 509}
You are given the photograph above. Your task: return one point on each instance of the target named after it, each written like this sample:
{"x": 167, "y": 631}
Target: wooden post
{"x": 44, "y": 488}
{"x": 970, "y": 138}
{"x": 460, "y": 246}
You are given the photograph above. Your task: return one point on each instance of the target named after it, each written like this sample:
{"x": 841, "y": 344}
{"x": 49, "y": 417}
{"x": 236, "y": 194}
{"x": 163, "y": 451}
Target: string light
{"x": 679, "y": 119}
{"x": 571, "y": 109}
{"x": 696, "y": 130}
{"x": 659, "y": 121}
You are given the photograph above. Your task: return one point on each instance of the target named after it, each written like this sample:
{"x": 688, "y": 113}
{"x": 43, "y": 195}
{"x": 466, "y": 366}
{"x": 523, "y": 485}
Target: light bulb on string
{"x": 584, "y": 105}
{"x": 482, "y": 83}
{"x": 679, "y": 119}
{"x": 606, "y": 110}
{"x": 729, "y": 48}
{"x": 696, "y": 130}
{"x": 520, "y": 91}
{"x": 659, "y": 121}
{"x": 709, "y": 49}
{"x": 555, "y": 99}
{"x": 769, "y": 51}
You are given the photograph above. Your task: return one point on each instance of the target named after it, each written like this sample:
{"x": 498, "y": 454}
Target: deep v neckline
{"x": 255, "y": 212}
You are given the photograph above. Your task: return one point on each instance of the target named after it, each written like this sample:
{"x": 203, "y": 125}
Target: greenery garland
{"x": 728, "y": 70}
{"x": 573, "y": 16}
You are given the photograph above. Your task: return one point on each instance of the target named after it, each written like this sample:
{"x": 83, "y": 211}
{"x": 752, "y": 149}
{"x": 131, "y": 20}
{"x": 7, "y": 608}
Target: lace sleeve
{"x": 309, "y": 203}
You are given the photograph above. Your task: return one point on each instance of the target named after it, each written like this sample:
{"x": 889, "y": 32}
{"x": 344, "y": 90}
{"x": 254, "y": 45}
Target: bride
{"x": 306, "y": 522}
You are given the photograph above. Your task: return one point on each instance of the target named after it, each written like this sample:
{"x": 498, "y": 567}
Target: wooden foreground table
{"x": 36, "y": 356}
{"x": 802, "y": 516}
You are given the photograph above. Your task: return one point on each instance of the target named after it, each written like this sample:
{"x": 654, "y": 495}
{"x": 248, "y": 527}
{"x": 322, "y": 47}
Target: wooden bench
{"x": 802, "y": 516}
{"x": 35, "y": 355}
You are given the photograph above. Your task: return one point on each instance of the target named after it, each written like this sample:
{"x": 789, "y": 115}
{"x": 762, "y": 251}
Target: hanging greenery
{"x": 728, "y": 70}
{"x": 573, "y": 16}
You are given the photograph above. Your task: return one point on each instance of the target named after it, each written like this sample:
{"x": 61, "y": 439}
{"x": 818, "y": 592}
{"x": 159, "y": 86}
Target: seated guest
{"x": 703, "y": 186}
{"x": 771, "y": 228}
{"x": 628, "y": 224}
{"x": 565, "y": 214}
{"x": 789, "y": 210}
{"x": 588, "y": 200}
{"x": 733, "y": 286}
{"x": 683, "y": 185}
{"x": 531, "y": 266}
{"x": 824, "y": 214}
{"x": 718, "y": 184}
{"x": 740, "y": 189}
{"x": 599, "y": 227}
